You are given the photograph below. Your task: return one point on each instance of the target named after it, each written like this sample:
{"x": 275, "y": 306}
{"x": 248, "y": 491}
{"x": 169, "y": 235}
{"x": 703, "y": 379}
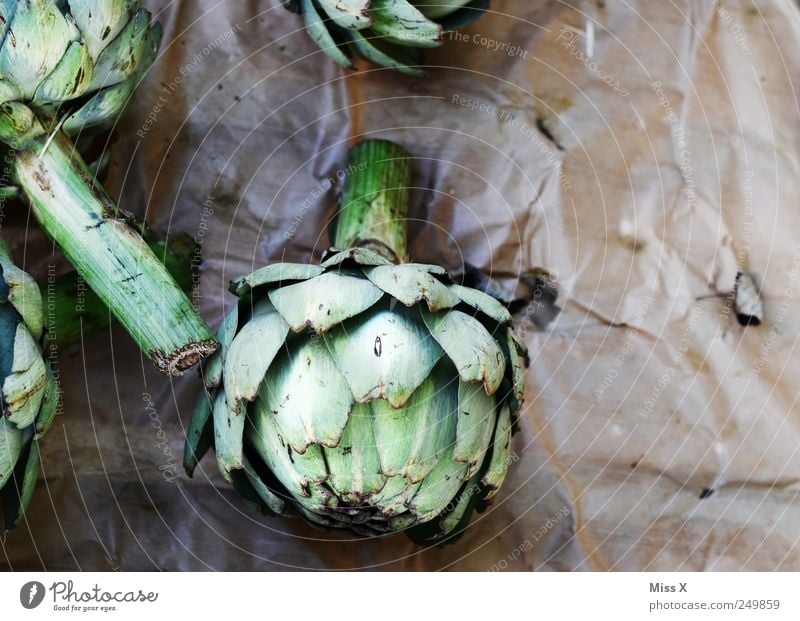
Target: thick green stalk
{"x": 110, "y": 255}
{"x": 375, "y": 199}
{"x": 73, "y": 310}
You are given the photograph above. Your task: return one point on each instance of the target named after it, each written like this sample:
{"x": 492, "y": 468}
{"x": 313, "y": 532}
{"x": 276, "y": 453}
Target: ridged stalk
{"x": 375, "y": 200}
{"x": 110, "y": 255}
{"x": 73, "y": 310}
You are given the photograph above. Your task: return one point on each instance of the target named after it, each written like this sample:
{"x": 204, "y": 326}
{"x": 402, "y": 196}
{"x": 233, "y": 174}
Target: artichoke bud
{"x": 56, "y": 53}
{"x": 27, "y": 387}
{"x": 365, "y": 392}
{"x": 385, "y": 32}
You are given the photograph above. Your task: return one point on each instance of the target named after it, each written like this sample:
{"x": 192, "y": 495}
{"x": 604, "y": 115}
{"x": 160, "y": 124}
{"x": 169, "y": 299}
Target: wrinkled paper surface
{"x": 642, "y": 162}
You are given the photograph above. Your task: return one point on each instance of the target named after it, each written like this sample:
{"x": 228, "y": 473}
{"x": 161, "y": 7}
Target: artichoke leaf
{"x": 402, "y": 522}
{"x": 318, "y": 31}
{"x": 354, "y": 465}
{"x": 518, "y": 370}
{"x": 252, "y": 351}
{"x": 18, "y": 124}
{"x": 457, "y": 519}
{"x": 274, "y": 274}
{"x": 392, "y": 488}
{"x": 49, "y": 407}
{"x": 316, "y": 518}
{"x": 11, "y": 441}
{"x": 307, "y": 395}
{"x": 324, "y": 301}
{"x": 9, "y": 193}
{"x": 228, "y": 435}
{"x": 38, "y": 37}
{"x": 501, "y": 454}
{"x": 320, "y": 498}
{"x": 399, "y": 21}
{"x": 362, "y": 256}
{"x": 295, "y": 471}
{"x": 385, "y": 355}
{"x": 9, "y": 321}
{"x": 439, "y": 488}
{"x": 200, "y": 432}
{"x": 483, "y": 302}
{"x": 103, "y": 108}
{"x": 349, "y": 14}
{"x": 469, "y": 345}
{"x": 7, "y": 10}
{"x": 393, "y": 499}
{"x": 17, "y": 494}
{"x": 412, "y": 440}
{"x": 375, "y": 55}
{"x": 436, "y": 270}
{"x": 70, "y": 78}
{"x": 8, "y": 91}
{"x": 124, "y": 56}
{"x": 411, "y": 285}
{"x": 23, "y": 293}
{"x": 23, "y": 389}
{"x": 522, "y": 349}
{"x": 273, "y": 502}
{"x": 100, "y": 21}
{"x": 212, "y": 369}
{"x": 476, "y": 422}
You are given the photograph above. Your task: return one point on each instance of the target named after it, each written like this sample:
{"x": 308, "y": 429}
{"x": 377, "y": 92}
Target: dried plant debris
{"x": 535, "y": 294}
{"x": 545, "y": 125}
{"x": 747, "y": 300}
{"x": 476, "y": 278}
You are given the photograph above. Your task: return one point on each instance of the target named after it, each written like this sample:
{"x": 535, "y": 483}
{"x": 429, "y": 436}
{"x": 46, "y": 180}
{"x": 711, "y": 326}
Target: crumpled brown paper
{"x": 640, "y": 152}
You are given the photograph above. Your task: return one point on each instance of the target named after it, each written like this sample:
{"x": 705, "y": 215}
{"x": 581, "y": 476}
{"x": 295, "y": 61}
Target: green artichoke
{"x": 68, "y": 67}
{"x": 74, "y": 62}
{"x": 28, "y": 388}
{"x": 365, "y": 392}
{"x": 389, "y": 33}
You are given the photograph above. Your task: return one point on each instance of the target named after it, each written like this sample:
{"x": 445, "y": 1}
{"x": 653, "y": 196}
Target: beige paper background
{"x": 642, "y": 394}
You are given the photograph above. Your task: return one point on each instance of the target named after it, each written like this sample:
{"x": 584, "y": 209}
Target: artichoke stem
{"x": 74, "y": 310}
{"x": 375, "y": 199}
{"x": 110, "y": 255}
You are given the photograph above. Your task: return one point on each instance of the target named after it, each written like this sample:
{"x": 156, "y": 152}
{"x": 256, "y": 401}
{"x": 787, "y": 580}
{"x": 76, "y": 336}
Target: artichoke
{"x": 68, "y": 67}
{"x": 28, "y": 388}
{"x": 366, "y": 392}
{"x": 389, "y": 33}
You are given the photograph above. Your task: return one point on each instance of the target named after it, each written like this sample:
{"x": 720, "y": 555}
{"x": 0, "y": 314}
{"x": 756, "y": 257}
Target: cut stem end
{"x": 178, "y": 362}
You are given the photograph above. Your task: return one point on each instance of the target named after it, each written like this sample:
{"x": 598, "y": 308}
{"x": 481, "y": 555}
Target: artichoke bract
{"x": 67, "y": 68}
{"x": 27, "y": 386}
{"x": 389, "y": 33}
{"x": 365, "y": 392}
